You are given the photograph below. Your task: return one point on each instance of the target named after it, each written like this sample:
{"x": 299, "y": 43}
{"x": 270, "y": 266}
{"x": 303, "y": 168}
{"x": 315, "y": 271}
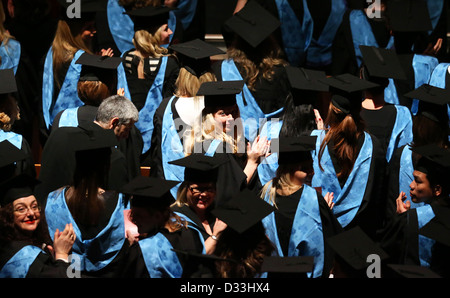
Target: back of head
{"x": 117, "y": 106}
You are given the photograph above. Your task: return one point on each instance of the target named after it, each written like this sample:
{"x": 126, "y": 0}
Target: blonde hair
{"x": 66, "y": 43}
{"x": 207, "y": 129}
{"x": 187, "y": 84}
{"x": 148, "y": 43}
{"x": 181, "y": 196}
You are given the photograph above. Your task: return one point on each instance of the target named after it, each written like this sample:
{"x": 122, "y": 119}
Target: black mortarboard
{"x": 195, "y": 55}
{"x": 10, "y": 154}
{"x": 86, "y": 139}
{"x": 408, "y": 15}
{"x": 382, "y": 63}
{"x": 432, "y": 101}
{"x": 410, "y": 271}
{"x": 253, "y": 23}
{"x": 294, "y": 149}
{"x": 220, "y": 94}
{"x": 243, "y": 211}
{"x": 276, "y": 264}
{"x": 98, "y": 68}
{"x": 433, "y": 158}
{"x": 7, "y": 81}
{"x": 201, "y": 168}
{"x": 346, "y": 90}
{"x": 303, "y": 82}
{"x": 19, "y": 186}
{"x": 149, "y": 191}
{"x": 354, "y": 246}
{"x": 438, "y": 228}
{"x": 149, "y": 17}
{"x": 88, "y": 9}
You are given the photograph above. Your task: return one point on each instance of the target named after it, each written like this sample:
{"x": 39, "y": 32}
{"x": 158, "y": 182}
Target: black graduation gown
{"x": 58, "y": 164}
{"x": 269, "y": 95}
{"x": 284, "y": 217}
{"x": 133, "y": 265}
{"x": 343, "y": 52}
{"x": 188, "y": 212}
{"x": 44, "y": 266}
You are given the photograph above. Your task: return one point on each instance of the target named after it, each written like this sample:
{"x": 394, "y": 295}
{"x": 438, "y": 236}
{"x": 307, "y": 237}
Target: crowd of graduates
{"x": 133, "y": 146}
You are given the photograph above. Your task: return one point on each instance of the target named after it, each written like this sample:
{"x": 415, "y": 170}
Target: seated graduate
{"x": 26, "y": 249}
{"x": 396, "y": 128}
{"x": 196, "y": 196}
{"x": 9, "y": 113}
{"x": 115, "y": 113}
{"x": 430, "y": 126}
{"x": 255, "y": 57}
{"x": 300, "y": 116}
{"x": 244, "y": 240}
{"x": 160, "y": 230}
{"x": 220, "y": 131}
{"x": 403, "y": 238}
{"x": 177, "y": 113}
{"x": 96, "y": 212}
{"x": 149, "y": 71}
{"x": 348, "y": 160}
{"x": 302, "y": 218}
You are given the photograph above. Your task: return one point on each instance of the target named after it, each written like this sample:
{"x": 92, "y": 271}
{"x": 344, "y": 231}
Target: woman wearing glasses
{"x": 25, "y": 249}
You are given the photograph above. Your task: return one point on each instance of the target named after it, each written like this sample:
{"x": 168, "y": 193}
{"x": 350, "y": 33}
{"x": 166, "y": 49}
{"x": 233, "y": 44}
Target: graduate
{"x": 440, "y": 78}
{"x": 26, "y": 250}
{"x": 95, "y": 211}
{"x": 396, "y": 128}
{"x": 255, "y": 57}
{"x": 148, "y": 72}
{"x": 196, "y": 196}
{"x": 9, "y": 113}
{"x": 116, "y": 114}
{"x": 403, "y": 239}
{"x": 326, "y": 18}
{"x": 160, "y": 231}
{"x": 302, "y": 218}
{"x": 244, "y": 241}
{"x": 296, "y": 26}
{"x": 73, "y": 37}
{"x": 177, "y": 114}
{"x": 349, "y": 162}
{"x": 300, "y": 116}
{"x": 430, "y": 126}
{"x": 220, "y": 131}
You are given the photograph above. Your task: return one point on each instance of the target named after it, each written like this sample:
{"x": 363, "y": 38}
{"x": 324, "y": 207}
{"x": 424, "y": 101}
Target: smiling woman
{"x": 25, "y": 249}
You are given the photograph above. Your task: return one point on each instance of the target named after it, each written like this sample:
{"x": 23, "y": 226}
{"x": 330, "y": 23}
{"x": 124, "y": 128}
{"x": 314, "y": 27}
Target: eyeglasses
{"x": 199, "y": 190}
{"x": 24, "y": 210}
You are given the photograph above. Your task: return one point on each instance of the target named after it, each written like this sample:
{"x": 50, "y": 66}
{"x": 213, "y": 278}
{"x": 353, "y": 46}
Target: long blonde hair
{"x": 148, "y": 43}
{"x": 66, "y": 43}
{"x": 187, "y": 84}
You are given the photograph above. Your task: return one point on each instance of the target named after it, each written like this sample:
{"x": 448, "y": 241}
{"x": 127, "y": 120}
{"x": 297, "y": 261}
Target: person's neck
{"x": 373, "y": 102}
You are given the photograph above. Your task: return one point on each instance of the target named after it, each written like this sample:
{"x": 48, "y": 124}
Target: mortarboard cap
{"x": 408, "y": 15}
{"x": 382, "y": 63}
{"x": 98, "y": 68}
{"x": 354, "y": 246}
{"x": 276, "y": 264}
{"x": 17, "y": 187}
{"x": 10, "y": 154}
{"x": 201, "y": 168}
{"x": 149, "y": 191}
{"x": 304, "y": 81}
{"x": 220, "y": 94}
{"x": 90, "y": 139}
{"x": 433, "y": 158}
{"x": 195, "y": 55}
{"x": 243, "y": 211}
{"x": 438, "y": 228}
{"x": 432, "y": 101}
{"x": 294, "y": 149}
{"x": 7, "y": 81}
{"x": 346, "y": 90}
{"x": 410, "y": 271}
{"x": 149, "y": 17}
{"x": 253, "y": 23}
